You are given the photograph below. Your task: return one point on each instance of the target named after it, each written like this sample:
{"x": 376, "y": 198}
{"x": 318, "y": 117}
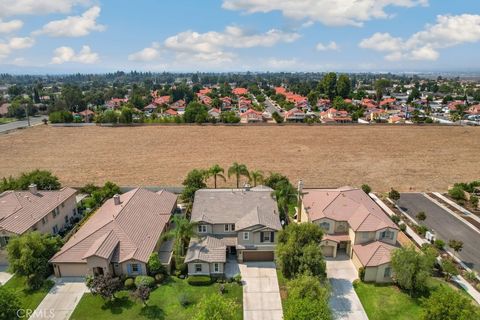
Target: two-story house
{"x": 237, "y": 223}
{"x": 120, "y": 237}
{"x": 355, "y": 226}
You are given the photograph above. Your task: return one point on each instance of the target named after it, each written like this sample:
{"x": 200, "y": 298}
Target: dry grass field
{"x": 407, "y": 158}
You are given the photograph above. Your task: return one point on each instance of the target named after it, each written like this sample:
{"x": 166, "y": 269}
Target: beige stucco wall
{"x": 209, "y": 229}
{"x": 331, "y": 228}
{"x": 391, "y": 241}
{"x": 67, "y": 210}
{"x": 356, "y": 261}
{"x": 124, "y": 268}
{"x": 329, "y": 243}
{"x": 220, "y": 229}
{"x": 71, "y": 269}
{"x": 254, "y": 238}
{"x": 207, "y": 268}
{"x": 364, "y": 237}
{"x": 376, "y": 274}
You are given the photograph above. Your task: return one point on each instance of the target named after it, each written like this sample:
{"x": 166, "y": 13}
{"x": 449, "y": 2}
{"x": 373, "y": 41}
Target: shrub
{"x": 457, "y": 193}
{"x": 237, "y": 278}
{"x": 366, "y": 188}
{"x": 222, "y": 289}
{"x": 395, "y": 219}
{"x": 474, "y": 201}
{"x": 182, "y": 268}
{"x": 159, "y": 277}
{"x": 403, "y": 227}
{"x": 471, "y": 275}
{"x": 199, "y": 280}
{"x": 129, "y": 284}
{"x": 60, "y": 117}
{"x": 184, "y": 300}
{"x": 146, "y": 281}
{"x": 154, "y": 265}
{"x": 361, "y": 273}
{"x": 394, "y": 194}
{"x": 421, "y": 230}
{"x": 439, "y": 244}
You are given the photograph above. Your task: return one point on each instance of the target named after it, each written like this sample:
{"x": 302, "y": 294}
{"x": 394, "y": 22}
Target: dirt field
{"x": 407, "y": 158}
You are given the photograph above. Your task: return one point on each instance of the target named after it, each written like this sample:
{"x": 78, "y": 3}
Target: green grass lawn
{"x": 163, "y": 304}
{"x": 6, "y": 120}
{"x": 387, "y": 301}
{"x": 28, "y": 299}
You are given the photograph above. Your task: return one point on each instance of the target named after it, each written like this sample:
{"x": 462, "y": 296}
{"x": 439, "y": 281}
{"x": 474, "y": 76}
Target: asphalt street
{"x": 445, "y": 226}
{"x": 21, "y": 124}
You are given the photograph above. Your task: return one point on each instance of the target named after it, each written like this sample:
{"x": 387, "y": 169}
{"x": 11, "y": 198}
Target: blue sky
{"x": 43, "y": 36}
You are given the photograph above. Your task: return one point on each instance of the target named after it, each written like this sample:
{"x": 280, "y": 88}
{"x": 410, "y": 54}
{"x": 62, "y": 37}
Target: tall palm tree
{"x": 216, "y": 171}
{"x": 238, "y": 170}
{"x": 257, "y": 177}
{"x": 183, "y": 229}
{"x": 285, "y": 194}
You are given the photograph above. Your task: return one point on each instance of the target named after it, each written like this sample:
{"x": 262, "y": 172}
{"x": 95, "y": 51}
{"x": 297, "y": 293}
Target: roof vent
{"x": 116, "y": 199}
{"x": 33, "y": 188}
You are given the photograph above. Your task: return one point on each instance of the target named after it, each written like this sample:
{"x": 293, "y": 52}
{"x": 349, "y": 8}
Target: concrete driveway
{"x": 4, "y": 275}
{"x": 344, "y": 301}
{"x": 261, "y": 294}
{"x": 62, "y": 299}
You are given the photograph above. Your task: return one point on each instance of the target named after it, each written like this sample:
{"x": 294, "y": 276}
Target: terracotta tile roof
{"x": 337, "y": 237}
{"x": 239, "y": 91}
{"x": 137, "y": 223}
{"x": 21, "y": 210}
{"x": 243, "y": 208}
{"x": 207, "y": 249}
{"x": 374, "y": 253}
{"x": 346, "y": 204}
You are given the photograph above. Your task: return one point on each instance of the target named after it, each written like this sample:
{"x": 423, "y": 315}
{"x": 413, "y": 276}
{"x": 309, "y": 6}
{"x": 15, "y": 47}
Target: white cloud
{"x": 67, "y": 54}
{"x": 36, "y": 7}
{"x": 147, "y": 54}
{"x": 74, "y": 26}
{"x": 328, "y": 12}
{"x": 212, "y": 48}
{"x": 10, "y": 26}
{"x": 448, "y": 31}
{"x": 333, "y": 46}
{"x": 16, "y": 43}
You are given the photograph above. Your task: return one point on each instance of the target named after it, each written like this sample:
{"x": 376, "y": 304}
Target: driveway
{"x": 21, "y": 123}
{"x": 344, "y": 301}
{"x": 62, "y": 299}
{"x": 261, "y": 294}
{"x": 4, "y": 275}
{"x": 445, "y": 225}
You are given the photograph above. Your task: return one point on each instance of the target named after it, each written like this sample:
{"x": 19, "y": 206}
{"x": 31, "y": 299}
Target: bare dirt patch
{"x": 407, "y": 158}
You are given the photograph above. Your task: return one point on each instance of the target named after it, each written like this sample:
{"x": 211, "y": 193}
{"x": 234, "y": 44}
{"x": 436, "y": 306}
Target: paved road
{"x": 445, "y": 225}
{"x": 261, "y": 294}
{"x": 270, "y": 107}
{"x": 344, "y": 301}
{"x": 21, "y": 124}
{"x": 62, "y": 299}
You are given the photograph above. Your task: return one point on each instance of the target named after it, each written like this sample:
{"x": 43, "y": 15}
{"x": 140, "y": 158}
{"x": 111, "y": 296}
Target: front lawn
{"x": 29, "y": 299}
{"x": 387, "y": 301}
{"x": 163, "y": 304}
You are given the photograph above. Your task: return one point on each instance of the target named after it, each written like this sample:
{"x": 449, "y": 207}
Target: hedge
{"x": 200, "y": 280}
{"x": 146, "y": 281}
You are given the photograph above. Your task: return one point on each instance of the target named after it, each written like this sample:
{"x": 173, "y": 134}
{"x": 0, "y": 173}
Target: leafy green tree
{"x": 329, "y": 85}
{"x": 412, "y": 269}
{"x": 449, "y": 269}
{"x": 343, "y": 86}
{"x": 142, "y": 293}
{"x": 154, "y": 265}
{"x": 9, "y": 304}
{"x": 183, "y": 229}
{"x": 381, "y": 86}
{"x": 257, "y": 177}
{"x": 298, "y": 250}
{"x": 126, "y": 115}
{"x": 217, "y": 172}
{"x": 73, "y": 97}
{"x": 284, "y": 192}
{"x": 277, "y": 117}
{"x": 238, "y": 170}
{"x": 194, "y": 181}
{"x": 195, "y": 112}
{"x": 60, "y": 117}
{"x": 394, "y": 195}
{"x": 28, "y": 256}
{"x": 216, "y": 307}
{"x": 447, "y": 304}
{"x": 42, "y": 178}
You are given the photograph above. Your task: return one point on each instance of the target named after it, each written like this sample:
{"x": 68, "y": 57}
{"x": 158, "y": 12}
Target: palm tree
{"x": 238, "y": 170}
{"x": 256, "y": 176}
{"x": 285, "y": 194}
{"x": 183, "y": 229}
{"x": 216, "y": 171}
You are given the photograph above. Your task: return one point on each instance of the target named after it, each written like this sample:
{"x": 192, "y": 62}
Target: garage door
{"x": 327, "y": 251}
{"x": 258, "y": 256}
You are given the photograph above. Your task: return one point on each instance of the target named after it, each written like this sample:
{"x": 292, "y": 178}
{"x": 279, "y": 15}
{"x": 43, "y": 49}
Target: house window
{"x": 202, "y": 228}
{"x": 44, "y": 220}
{"x": 266, "y": 237}
{"x": 135, "y": 267}
{"x": 387, "y": 234}
{"x": 198, "y": 267}
{"x": 227, "y": 227}
{"x": 232, "y": 227}
{"x": 325, "y": 225}
{"x": 63, "y": 204}
{"x": 55, "y": 212}
{"x": 246, "y": 235}
{"x": 66, "y": 219}
{"x": 55, "y": 229}
{"x": 387, "y": 273}
{"x": 216, "y": 267}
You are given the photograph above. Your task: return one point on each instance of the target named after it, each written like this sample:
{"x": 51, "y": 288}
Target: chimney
{"x": 33, "y": 188}
{"x": 116, "y": 199}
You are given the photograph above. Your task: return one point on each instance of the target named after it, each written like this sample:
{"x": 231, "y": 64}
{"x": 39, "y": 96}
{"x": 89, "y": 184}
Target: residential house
{"x": 35, "y": 210}
{"x": 474, "y": 110}
{"x": 294, "y": 115}
{"x": 226, "y": 103}
{"x": 4, "y": 109}
{"x": 354, "y": 226}
{"x": 120, "y": 237}
{"x": 87, "y": 115}
{"x": 163, "y": 100}
{"x": 115, "y": 103}
{"x": 215, "y": 113}
{"x": 251, "y": 116}
{"x": 334, "y": 115}
{"x": 244, "y": 104}
{"x": 239, "y": 91}
{"x": 179, "y": 106}
{"x": 238, "y": 224}
{"x": 151, "y": 108}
